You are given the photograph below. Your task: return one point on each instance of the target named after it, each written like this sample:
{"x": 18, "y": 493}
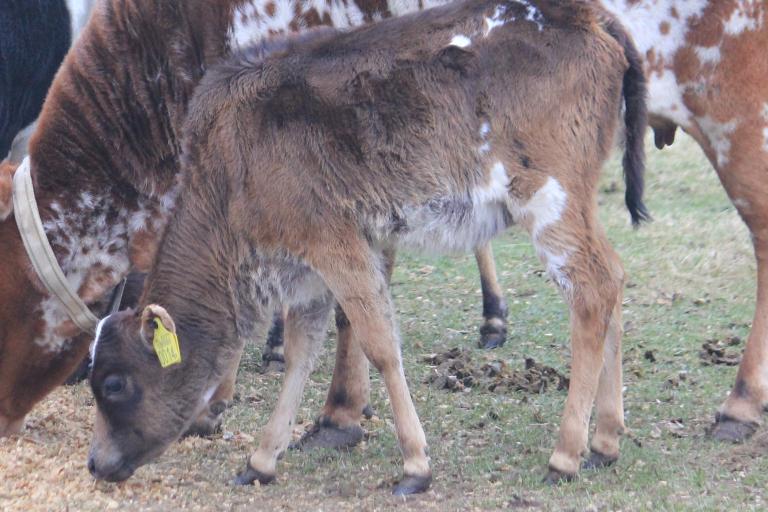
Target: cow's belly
{"x": 452, "y": 225}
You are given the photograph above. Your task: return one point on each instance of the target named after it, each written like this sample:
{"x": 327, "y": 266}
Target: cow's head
{"x": 143, "y": 407}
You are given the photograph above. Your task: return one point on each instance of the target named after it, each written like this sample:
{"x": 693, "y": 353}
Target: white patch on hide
{"x": 740, "y": 21}
{"x": 495, "y": 21}
{"x": 765, "y": 130}
{"x": 533, "y": 15}
{"x": 708, "y": 54}
{"x": 92, "y": 348}
{"x": 461, "y": 41}
{"x": 545, "y": 207}
{"x": 79, "y": 12}
{"x": 665, "y": 98}
{"x": 718, "y": 134}
{"x": 485, "y": 147}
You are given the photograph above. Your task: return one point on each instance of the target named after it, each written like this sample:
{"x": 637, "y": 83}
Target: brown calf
{"x": 105, "y": 164}
{"x": 432, "y": 131}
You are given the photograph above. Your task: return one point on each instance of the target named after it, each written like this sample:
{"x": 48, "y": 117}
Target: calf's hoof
{"x": 492, "y": 336}
{"x": 555, "y": 477}
{"x": 599, "y": 460}
{"x": 250, "y": 475}
{"x": 325, "y": 434}
{"x": 412, "y": 484}
{"x": 732, "y": 430}
{"x": 368, "y": 412}
{"x": 208, "y": 423}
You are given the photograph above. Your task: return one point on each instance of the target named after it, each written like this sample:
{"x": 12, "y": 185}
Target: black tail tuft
{"x": 635, "y": 123}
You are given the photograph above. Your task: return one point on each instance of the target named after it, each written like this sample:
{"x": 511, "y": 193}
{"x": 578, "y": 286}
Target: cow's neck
{"x": 105, "y": 156}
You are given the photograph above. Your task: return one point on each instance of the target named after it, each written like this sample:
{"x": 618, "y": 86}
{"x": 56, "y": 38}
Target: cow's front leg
{"x": 305, "y": 329}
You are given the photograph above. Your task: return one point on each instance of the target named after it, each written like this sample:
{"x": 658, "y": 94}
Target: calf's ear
{"x": 6, "y": 189}
{"x": 148, "y": 316}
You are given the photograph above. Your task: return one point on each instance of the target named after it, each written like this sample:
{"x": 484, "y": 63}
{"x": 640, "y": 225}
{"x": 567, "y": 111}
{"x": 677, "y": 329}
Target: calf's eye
{"x": 113, "y": 385}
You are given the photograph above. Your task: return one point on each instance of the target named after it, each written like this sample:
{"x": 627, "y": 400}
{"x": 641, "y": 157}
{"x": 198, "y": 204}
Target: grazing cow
{"x": 433, "y": 131}
{"x": 34, "y": 37}
{"x": 708, "y": 74}
{"x": 105, "y": 193}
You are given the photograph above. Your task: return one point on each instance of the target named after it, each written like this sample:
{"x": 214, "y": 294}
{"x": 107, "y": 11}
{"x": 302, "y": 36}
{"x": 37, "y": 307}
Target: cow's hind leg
{"x": 305, "y": 329}
{"x": 273, "y": 355}
{"x": 740, "y": 415}
{"x": 348, "y": 397}
{"x": 586, "y": 269}
{"x": 493, "y": 333}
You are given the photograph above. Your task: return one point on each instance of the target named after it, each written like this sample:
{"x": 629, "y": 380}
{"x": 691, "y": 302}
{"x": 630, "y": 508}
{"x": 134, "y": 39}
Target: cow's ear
{"x": 6, "y": 189}
{"x": 149, "y": 317}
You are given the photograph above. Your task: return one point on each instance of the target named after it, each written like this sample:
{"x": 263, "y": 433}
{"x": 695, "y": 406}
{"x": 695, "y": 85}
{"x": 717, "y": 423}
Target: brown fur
{"x": 6, "y": 189}
{"x": 106, "y": 130}
{"x": 303, "y": 169}
{"x": 111, "y": 128}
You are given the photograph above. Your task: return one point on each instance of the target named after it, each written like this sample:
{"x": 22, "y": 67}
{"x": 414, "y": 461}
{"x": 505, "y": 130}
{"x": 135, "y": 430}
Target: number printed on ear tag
{"x": 166, "y": 345}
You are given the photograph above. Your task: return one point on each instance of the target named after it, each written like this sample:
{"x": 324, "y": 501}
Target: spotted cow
{"x": 707, "y": 68}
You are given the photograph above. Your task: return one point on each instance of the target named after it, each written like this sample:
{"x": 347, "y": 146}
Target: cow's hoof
{"x": 555, "y": 477}
{"x": 412, "y": 484}
{"x": 251, "y": 475}
{"x": 732, "y": 430}
{"x": 209, "y": 423}
{"x": 327, "y": 435}
{"x": 598, "y": 460}
{"x": 492, "y": 336}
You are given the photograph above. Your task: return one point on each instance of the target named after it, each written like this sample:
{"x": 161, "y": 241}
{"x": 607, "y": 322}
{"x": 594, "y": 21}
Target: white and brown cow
{"x": 432, "y": 131}
{"x": 707, "y": 68}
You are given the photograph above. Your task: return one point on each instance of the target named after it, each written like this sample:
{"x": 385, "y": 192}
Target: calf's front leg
{"x": 304, "y": 334}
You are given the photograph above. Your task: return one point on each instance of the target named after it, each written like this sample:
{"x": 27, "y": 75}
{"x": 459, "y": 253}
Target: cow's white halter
{"x": 40, "y": 252}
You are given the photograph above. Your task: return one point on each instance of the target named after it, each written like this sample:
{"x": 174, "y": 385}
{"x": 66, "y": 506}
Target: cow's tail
{"x": 635, "y": 123}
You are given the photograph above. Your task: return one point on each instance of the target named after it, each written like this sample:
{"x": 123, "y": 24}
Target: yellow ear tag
{"x": 166, "y": 345}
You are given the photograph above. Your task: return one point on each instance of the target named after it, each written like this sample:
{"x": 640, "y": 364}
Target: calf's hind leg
{"x": 590, "y": 276}
{"x": 304, "y": 334}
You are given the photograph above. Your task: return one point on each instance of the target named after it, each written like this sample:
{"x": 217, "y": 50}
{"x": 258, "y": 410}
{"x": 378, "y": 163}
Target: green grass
{"x": 691, "y": 279}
